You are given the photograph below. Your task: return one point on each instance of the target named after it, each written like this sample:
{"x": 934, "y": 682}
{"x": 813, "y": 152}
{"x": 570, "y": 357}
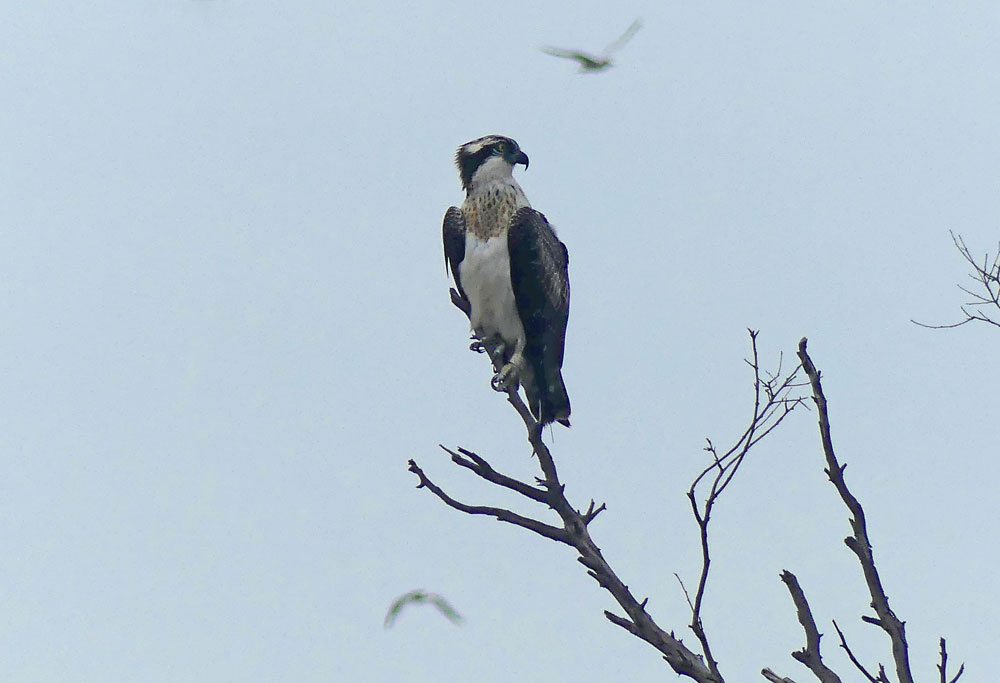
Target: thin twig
{"x": 592, "y": 512}
{"x": 854, "y": 660}
{"x": 771, "y": 405}
{"x": 687, "y": 596}
{"x": 987, "y": 275}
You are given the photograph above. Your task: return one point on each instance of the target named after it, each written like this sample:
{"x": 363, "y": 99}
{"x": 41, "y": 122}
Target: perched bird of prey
{"x": 419, "y": 597}
{"x": 511, "y": 272}
{"x": 594, "y": 63}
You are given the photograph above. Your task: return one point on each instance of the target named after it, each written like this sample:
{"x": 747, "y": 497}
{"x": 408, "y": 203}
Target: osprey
{"x": 511, "y": 272}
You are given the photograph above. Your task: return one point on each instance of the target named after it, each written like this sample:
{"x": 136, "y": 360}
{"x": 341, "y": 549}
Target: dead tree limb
{"x": 774, "y": 678}
{"x": 574, "y": 532}
{"x": 810, "y": 654}
{"x": 943, "y": 666}
{"x": 986, "y": 274}
{"x": 771, "y": 405}
{"x": 858, "y": 542}
{"x": 881, "y": 678}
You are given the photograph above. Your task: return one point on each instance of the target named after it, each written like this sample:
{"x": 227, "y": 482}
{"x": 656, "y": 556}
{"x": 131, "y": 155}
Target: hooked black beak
{"x": 521, "y": 158}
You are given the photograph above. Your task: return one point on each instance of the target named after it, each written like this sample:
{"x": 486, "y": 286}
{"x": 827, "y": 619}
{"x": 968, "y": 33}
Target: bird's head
{"x": 490, "y": 156}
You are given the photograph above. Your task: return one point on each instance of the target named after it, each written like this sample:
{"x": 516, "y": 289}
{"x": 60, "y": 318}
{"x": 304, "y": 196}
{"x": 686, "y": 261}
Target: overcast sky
{"x": 225, "y": 329}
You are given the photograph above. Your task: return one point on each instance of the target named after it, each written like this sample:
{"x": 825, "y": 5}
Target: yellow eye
{"x": 502, "y": 147}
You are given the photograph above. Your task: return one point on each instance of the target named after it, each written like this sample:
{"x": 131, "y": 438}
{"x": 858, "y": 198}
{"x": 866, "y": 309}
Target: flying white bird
{"x": 594, "y": 63}
{"x": 419, "y": 597}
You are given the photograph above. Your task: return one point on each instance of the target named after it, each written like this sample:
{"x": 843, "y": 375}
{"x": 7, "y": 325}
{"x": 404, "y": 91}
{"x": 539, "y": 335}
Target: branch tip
{"x": 859, "y": 543}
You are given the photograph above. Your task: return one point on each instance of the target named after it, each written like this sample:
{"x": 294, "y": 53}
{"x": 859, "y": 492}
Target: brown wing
{"x": 453, "y": 233}
{"x": 539, "y": 275}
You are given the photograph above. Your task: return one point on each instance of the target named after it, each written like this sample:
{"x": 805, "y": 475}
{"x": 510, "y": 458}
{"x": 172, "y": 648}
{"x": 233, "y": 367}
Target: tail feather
{"x": 550, "y": 402}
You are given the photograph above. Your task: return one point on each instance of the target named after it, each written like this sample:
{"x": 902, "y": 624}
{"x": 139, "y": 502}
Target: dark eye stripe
{"x": 468, "y": 163}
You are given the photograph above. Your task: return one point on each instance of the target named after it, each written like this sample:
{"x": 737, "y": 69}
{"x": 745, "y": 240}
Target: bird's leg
{"x": 510, "y": 373}
{"x": 498, "y": 351}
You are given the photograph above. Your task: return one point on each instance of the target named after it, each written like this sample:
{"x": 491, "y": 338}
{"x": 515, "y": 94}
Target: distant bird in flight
{"x": 594, "y": 63}
{"x": 419, "y": 597}
{"x": 512, "y": 275}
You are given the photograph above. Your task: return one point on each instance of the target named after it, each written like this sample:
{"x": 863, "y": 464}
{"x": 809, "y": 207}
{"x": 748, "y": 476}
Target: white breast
{"x": 485, "y": 273}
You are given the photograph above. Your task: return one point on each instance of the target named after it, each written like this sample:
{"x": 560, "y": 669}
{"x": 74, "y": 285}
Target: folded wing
{"x": 453, "y": 232}
{"x": 539, "y": 273}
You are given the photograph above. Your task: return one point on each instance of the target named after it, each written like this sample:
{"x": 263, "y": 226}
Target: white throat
{"x": 493, "y": 172}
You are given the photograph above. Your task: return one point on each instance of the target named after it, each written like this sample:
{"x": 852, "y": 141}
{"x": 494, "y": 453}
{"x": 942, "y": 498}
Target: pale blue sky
{"x": 226, "y": 328}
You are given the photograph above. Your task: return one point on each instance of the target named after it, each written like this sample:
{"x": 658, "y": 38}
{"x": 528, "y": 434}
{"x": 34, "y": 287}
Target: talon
{"x": 478, "y": 346}
{"x": 506, "y": 379}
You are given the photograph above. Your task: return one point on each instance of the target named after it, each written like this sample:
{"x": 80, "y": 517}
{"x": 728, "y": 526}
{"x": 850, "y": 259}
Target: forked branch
{"x": 858, "y": 541}
{"x": 985, "y": 304}
{"x": 772, "y": 402}
{"x": 880, "y": 678}
{"x": 943, "y": 666}
{"x": 861, "y": 546}
{"x": 550, "y": 492}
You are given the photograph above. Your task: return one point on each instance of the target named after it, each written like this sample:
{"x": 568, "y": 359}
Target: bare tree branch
{"x": 809, "y": 655}
{"x": 943, "y": 666}
{"x": 857, "y": 664}
{"x": 555, "y": 533}
{"x": 773, "y": 677}
{"x": 859, "y": 542}
{"x": 987, "y": 277}
{"x": 479, "y": 465}
{"x": 772, "y": 403}
{"x": 574, "y": 532}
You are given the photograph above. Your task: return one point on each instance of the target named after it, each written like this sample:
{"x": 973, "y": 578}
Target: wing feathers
{"x": 453, "y": 233}
{"x": 539, "y": 273}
